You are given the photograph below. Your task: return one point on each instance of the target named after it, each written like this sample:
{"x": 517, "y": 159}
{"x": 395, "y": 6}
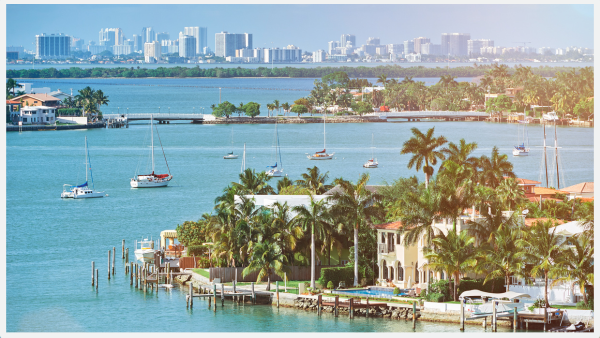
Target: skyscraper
{"x": 227, "y": 43}
{"x": 110, "y": 37}
{"x": 187, "y": 45}
{"x": 474, "y": 46}
{"x": 455, "y": 43}
{"x": 199, "y": 33}
{"x": 373, "y": 41}
{"x": 162, "y": 36}
{"x": 348, "y": 38}
{"x": 53, "y": 46}
{"x": 409, "y": 47}
{"x": 332, "y": 46}
{"x": 137, "y": 43}
{"x": 152, "y": 51}
{"x": 418, "y": 42}
{"x": 148, "y": 35}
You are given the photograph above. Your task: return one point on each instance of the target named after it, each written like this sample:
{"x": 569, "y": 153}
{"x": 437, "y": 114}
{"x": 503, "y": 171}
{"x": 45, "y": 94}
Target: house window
{"x": 397, "y": 239}
{"x": 382, "y": 237}
{"x": 24, "y": 119}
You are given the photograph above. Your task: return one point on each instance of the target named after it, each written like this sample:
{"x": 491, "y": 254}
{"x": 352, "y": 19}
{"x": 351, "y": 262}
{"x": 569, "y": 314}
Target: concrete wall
{"x": 72, "y": 119}
{"x": 555, "y": 294}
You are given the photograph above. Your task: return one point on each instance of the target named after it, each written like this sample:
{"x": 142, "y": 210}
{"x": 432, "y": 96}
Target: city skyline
{"x": 510, "y": 25}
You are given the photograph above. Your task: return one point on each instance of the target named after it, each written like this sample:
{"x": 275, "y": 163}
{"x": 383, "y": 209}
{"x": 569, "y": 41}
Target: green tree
{"x": 286, "y": 108}
{"x": 252, "y": 109}
{"x": 498, "y": 104}
{"x": 423, "y": 147}
{"x": 362, "y": 108}
{"x": 267, "y": 258}
{"x": 11, "y": 84}
{"x": 578, "y": 263}
{"x": 503, "y": 258}
{"x": 276, "y": 105}
{"x": 584, "y": 109}
{"x": 252, "y": 183}
{"x": 283, "y": 183}
{"x": 493, "y": 169}
{"x": 314, "y": 181}
{"x": 299, "y": 109}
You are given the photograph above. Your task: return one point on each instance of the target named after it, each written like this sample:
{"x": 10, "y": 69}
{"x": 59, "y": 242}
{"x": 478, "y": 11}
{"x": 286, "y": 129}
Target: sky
{"x": 311, "y": 26}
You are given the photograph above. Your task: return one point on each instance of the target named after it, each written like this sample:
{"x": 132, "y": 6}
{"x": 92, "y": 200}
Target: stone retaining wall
{"x": 310, "y": 304}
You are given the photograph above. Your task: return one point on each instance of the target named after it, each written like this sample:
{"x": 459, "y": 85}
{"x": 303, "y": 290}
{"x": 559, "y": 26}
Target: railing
{"x": 382, "y": 248}
{"x": 160, "y": 116}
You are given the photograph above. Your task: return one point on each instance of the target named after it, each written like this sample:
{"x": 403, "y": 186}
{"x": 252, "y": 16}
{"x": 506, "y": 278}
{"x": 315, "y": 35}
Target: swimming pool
{"x": 374, "y": 292}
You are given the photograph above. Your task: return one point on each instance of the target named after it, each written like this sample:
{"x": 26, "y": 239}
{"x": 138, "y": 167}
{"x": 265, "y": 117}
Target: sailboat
{"x": 276, "y": 171}
{"x": 83, "y": 190}
{"x": 152, "y": 180}
{"x": 372, "y": 163}
{"x": 322, "y": 155}
{"x": 522, "y": 149}
{"x": 231, "y": 156}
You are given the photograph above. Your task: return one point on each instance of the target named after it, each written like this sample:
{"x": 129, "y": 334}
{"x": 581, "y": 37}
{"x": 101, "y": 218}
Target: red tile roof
{"x": 524, "y": 181}
{"x": 41, "y": 97}
{"x": 529, "y": 221}
{"x": 581, "y": 187}
{"x": 388, "y": 226}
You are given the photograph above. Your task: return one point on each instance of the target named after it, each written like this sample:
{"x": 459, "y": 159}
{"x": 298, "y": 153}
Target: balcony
{"x": 384, "y": 248}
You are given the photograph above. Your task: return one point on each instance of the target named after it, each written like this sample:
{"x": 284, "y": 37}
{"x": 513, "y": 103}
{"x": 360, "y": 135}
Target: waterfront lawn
{"x": 202, "y": 272}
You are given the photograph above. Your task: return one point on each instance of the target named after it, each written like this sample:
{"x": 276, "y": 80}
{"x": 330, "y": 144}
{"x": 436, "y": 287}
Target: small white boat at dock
{"x": 144, "y": 250}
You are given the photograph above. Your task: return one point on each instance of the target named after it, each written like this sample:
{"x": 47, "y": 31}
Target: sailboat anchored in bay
{"x": 152, "y": 180}
{"x": 322, "y": 155}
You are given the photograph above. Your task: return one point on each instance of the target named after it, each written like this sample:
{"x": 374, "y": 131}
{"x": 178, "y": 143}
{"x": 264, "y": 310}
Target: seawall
{"x": 60, "y": 127}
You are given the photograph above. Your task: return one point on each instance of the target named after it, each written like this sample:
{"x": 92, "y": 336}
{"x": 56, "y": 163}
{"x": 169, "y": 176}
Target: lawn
{"x": 202, "y": 272}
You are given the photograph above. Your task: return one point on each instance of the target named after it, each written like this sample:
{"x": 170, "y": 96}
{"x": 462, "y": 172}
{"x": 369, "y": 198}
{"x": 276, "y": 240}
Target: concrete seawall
{"x": 60, "y": 127}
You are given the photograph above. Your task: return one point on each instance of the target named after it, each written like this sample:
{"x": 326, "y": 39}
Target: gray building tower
{"x": 148, "y": 35}
{"x": 227, "y": 43}
{"x": 348, "y": 38}
{"x": 455, "y": 43}
{"x": 53, "y": 46}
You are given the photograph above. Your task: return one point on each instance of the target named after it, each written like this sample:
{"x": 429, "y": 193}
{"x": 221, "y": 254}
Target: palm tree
{"x": 382, "y": 79}
{"x": 252, "y": 183}
{"x": 357, "y": 205}
{"x": 276, "y": 105}
{"x": 423, "y": 147}
{"x": 270, "y": 108}
{"x": 99, "y": 98}
{"x": 459, "y": 153}
{"x": 314, "y": 181}
{"x": 240, "y": 109}
{"x": 286, "y": 230}
{"x": 504, "y": 258}
{"x": 266, "y": 258}
{"x": 453, "y": 253}
{"x": 495, "y": 168}
{"x": 418, "y": 212}
{"x": 456, "y": 189}
{"x": 283, "y": 183}
{"x": 543, "y": 249}
{"x": 578, "y": 262}
{"x": 510, "y": 193}
{"x": 286, "y": 108}
{"x": 312, "y": 216}
{"x": 11, "y": 84}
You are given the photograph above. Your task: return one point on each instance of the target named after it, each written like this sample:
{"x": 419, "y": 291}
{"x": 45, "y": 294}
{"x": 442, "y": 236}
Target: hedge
{"x": 337, "y": 275}
{"x": 477, "y": 284}
{"x": 69, "y": 112}
{"x": 197, "y": 250}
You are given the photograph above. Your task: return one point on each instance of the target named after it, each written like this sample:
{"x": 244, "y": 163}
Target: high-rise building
{"x": 319, "y": 56}
{"x": 373, "y": 41}
{"x": 162, "y": 36}
{"x": 332, "y": 46}
{"x": 187, "y": 45}
{"x": 152, "y": 51}
{"x": 76, "y": 43}
{"x": 18, "y": 49}
{"x": 474, "y": 46}
{"x": 546, "y": 50}
{"x": 431, "y": 49}
{"x": 110, "y": 37}
{"x": 291, "y": 53}
{"x": 53, "y": 46}
{"x": 455, "y": 43}
{"x": 418, "y": 42}
{"x": 348, "y": 38}
{"x": 409, "y": 47}
{"x": 148, "y": 35}
{"x": 137, "y": 43}
{"x": 199, "y": 33}
{"x": 395, "y": 48}
{"x": 227, "y": 43}
{"x": 121, "y": 49}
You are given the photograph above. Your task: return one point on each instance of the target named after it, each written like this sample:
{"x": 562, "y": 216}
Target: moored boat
{"x": 82, "y": 190}
{"x": 144, "y": 251}
{"x": 152, "y": 180}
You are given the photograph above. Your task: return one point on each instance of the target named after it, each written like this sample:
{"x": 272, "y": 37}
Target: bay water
{"x": 51, "y": 242}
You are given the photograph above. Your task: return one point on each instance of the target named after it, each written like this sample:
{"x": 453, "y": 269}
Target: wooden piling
{"x": 494, "y": 317}
{"x": 113, "y": 260}
{"x": 234, "y": 291}
{"x": 191, "y": 294}
{"x": 414, "y": 315}
{"x": 123, "y": 249}
{"x": 545, "y": 316}
{"x": 108, "y": 264}
{"x": 215, "y": 296}
{"x": 130, "y": 273}
{"x": 351, "y": 308}
{"x": 209, "y": 301}
{"x": 462, "y": 315}
{"x": 277, "y": 292}
{"x": 335, "y": 307}
{"x": 515, "y": 318}
{"x": 144, "y": 272}
{"x": 135, "y": 267}
{"x": 367, "y": 314}
{"x": 93, "y": 273}
{"x": 484, "y": 322}
{"x": 253, "y": 295}
{"x": 222, "y": 294}
{"x": 96, "y": 280}
{"x": 319, "y": 304}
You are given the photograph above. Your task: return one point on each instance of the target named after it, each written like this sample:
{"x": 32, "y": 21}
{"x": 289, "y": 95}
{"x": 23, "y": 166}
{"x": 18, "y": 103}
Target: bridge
{"x": 439, "y": 115}
{"x": 161, "y": 117}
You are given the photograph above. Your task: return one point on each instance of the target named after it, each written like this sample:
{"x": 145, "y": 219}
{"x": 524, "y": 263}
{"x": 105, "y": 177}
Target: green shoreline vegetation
{"x": 268, "y": 240}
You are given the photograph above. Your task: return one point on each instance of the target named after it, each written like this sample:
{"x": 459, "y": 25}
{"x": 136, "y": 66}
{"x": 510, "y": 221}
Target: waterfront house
{"x": 38, "y": 115}
{"x": 583, "y": 190}
{"x": 33, "y": 100}
{"x": 60, "y": 95}
{"x": 12, "y": 110}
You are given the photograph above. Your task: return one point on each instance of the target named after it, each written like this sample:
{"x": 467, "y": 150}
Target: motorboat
{"x": 550, "y": 116}
{"x": 82, "y": 190}
{"x": 322, "y": 155}
{"x": 144, "y": 250}
{"x": 478, "y": 308}
{"x": 274, "y": 170}
{"x": 152, "y": 180}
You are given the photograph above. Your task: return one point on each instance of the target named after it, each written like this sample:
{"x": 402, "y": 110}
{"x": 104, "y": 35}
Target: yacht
{"x": 152, "y": 180}
{"x": 82, "y": 190}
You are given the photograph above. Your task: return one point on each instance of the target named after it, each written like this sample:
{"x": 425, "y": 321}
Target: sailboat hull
{"x": 275, "y": 173}
{"x": 321, "y": 157}
{"x": 230, "y": 157}
{"x": 149, "y": 182}
{"x": 517, "y": 152}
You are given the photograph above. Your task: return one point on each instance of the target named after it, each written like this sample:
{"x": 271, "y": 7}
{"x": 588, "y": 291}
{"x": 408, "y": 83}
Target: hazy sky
{"x": 310, "y": 27}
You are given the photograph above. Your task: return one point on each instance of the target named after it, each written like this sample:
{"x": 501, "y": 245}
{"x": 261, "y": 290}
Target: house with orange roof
{"x": 12, "y": 110}
{"x": 34, "y": 100}
{"x": 581, "y": 190}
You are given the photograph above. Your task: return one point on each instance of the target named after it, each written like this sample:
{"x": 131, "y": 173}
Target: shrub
{"x": 582, "y": 306}
{"x": 494, "y": 285}
{"x": 69, "y": 112}
{"x": 442, "y": 287}
{"x": 436, "y": 297}
{"x": 338, "y": 274}
{"x": 423, "y": 293}
{"x": 330, "y": 285}
{"x": 396, "y": 291}
{"x": 197, "y": 250}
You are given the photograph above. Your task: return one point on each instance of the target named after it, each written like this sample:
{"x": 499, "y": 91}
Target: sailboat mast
{"x": 324, "y": 139}
{"x": 556, "y": 157}
{"x": 545, "y": 157}
{"x": 86, "y": 161}
{"x": 244, "y": 159}
{"x": 372, "y": 135}
{"x": 152, "y": 140}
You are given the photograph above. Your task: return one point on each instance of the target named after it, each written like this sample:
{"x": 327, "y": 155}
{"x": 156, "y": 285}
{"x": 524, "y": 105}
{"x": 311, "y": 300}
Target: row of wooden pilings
{"x": 205, "y": 291}
{"x": 138, "y": 273}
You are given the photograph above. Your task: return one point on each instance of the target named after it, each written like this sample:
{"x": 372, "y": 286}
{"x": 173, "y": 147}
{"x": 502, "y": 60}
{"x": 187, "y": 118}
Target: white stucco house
{"x": 38, "y": 115}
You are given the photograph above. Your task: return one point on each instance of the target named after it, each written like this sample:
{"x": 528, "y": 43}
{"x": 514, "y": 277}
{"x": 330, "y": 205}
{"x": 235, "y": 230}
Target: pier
{"x": 160, "y": 117}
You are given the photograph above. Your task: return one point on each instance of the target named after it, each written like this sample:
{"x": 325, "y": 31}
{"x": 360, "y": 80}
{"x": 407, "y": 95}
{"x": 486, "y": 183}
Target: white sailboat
{"x": 322, "y": 155}
{"x": 152, "y": 180}
{"x": 231, "y": 156}
{"x": 372, "y": 163}
{"x": 83, "y": 190}
{"x": 522, "y": 149}
{"x": 276, "y": 171}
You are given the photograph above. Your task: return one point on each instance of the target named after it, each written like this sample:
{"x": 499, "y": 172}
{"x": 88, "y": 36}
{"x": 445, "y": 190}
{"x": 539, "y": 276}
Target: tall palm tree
{"x": 418, "y": 212}
{"x": 314, "y": 217}
{"x": 543, "y": 249}
{"x": 357, "y": 205}
{"x": 270, "y": 108}
{"x": 459, "y": 153}
{"x": 503, "y": 258}
{"x": 267, "y": 258}
{"x": 510, "y": 193}
{"x": 453, "y": 253}
{"x": 283, "y": 183}
{"x": 252, "y": 183}
{"x": 286, "y": 108}
{"x": 11, "y": 84}
{"x": 495, "y": 168}
{"x": 383, "y": 80}
{"x": 314, "y": 181}
{"x": 423, "y": 147}
{"x": 456, "y": 189}
{"x": 286, "y": 230}
{"x": 276, "y": 105}
{"x": 578, "y": 263}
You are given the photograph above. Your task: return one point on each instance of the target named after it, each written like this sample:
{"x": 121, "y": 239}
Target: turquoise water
{"x": 372, "y": 292}
{"x": 50, "y": 242}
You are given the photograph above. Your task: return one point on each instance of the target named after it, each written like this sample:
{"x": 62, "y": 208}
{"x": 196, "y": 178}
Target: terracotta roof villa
{"x": 581, "y": 190}
{"x": 37, "y": 100}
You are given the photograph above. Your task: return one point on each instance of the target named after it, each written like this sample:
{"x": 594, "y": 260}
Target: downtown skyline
{"x": 507, "y": 25}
